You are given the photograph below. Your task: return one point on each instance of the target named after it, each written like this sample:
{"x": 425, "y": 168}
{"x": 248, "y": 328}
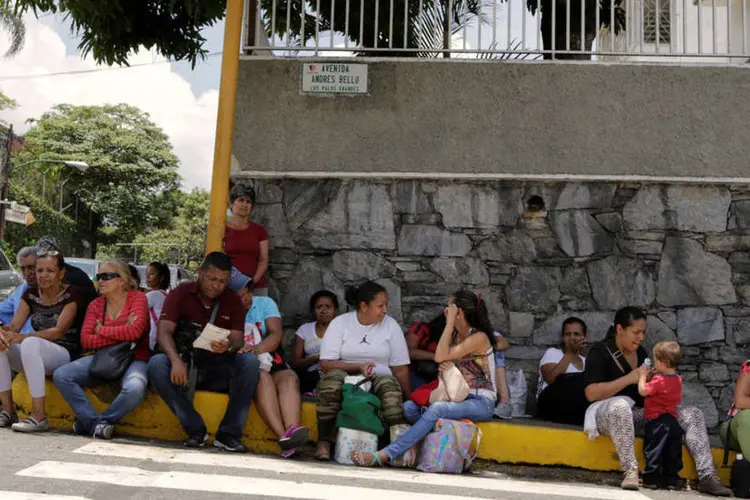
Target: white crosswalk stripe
{"x": 18, "y": 495}
{"x": 131, "y": 466}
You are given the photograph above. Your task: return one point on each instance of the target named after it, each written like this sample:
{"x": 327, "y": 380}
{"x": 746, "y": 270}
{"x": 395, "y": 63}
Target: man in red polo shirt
{"x": 187, "y": 310}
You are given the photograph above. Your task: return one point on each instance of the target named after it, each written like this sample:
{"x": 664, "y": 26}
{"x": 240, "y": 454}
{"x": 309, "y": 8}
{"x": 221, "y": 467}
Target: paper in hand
{"x": 211, "y": 333}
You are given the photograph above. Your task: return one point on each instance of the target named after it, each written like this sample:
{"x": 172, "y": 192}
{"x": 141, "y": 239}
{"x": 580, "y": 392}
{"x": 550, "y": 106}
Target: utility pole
{"x": 5, "y": 149}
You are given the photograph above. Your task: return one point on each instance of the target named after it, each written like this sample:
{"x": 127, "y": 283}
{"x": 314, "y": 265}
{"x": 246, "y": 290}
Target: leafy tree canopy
{"x": 130, "y": 184}
{"x": 113, "y": 29}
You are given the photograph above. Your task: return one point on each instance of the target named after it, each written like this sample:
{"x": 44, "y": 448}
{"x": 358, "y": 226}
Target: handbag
{"x": 111, "y": 362}
{"x": 452, "y": 386}
{"x": 360, "y": 410}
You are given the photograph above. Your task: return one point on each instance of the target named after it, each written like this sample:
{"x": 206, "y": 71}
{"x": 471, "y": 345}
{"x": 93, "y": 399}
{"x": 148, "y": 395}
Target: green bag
{"x": 360, "y": 410}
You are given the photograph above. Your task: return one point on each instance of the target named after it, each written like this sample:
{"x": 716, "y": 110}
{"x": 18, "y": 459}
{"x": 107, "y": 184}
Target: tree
{"x": 128, "y": 188}
{"x": 112, "y": 29}
{"x": 181, "y": 242}
{"x": 13, "y": 24}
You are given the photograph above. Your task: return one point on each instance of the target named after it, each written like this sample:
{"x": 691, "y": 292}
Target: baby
{"x": 662, "y": 443}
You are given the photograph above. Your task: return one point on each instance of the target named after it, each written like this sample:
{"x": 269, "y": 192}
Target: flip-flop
{"x": 323, "y": 457}
{"x": 361, "y": 463}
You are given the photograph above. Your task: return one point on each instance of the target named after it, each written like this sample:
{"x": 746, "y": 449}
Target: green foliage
{"x": 16, "y": 31}
{"x": 111, "y": 29}
{"x": 181, "y": 242}
{"x": 6, "y": 103}
{"x": 129, "y": 187}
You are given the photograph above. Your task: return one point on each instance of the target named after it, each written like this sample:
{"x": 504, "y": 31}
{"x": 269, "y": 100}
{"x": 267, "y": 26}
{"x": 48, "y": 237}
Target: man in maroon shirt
{"x": 187, "y": 310}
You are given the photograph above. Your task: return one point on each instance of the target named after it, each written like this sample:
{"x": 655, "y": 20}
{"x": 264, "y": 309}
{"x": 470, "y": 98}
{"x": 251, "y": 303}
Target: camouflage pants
{"x": 385, "y": 387}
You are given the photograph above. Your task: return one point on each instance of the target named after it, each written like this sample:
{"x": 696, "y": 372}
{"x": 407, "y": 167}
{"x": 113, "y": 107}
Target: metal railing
{"x": 605, "y": 30}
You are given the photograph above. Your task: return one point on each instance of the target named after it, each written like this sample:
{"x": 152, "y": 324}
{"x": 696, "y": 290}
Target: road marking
{"x": 19, "y": 495}
{"x": 288, "y": 468}
{"x": 134, "y": 477}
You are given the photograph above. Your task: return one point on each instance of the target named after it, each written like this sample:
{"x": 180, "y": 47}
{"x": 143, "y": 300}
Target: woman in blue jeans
{"x": 466, "y": 343}
{"x": 120, "y": 314}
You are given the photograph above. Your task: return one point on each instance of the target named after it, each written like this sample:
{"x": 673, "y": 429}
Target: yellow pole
{"x": 230, "y": 62}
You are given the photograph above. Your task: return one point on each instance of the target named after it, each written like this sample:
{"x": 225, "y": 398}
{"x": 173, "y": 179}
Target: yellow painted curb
{"x": 503, "y": 442}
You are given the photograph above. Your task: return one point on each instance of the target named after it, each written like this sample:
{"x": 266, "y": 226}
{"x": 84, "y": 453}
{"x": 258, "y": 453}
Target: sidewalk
{"x": 519, "y": 441}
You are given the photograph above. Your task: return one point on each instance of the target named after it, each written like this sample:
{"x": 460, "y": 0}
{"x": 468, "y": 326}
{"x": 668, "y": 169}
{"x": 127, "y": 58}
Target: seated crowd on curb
{"x": 56, "y": 324}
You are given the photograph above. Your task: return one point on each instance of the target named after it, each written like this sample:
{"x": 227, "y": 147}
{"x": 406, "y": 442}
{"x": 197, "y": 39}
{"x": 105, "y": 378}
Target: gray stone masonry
{"x": 680, "y": 252}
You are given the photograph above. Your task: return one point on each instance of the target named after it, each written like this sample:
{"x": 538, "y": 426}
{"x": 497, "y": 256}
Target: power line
{"x": 93, "y": 70}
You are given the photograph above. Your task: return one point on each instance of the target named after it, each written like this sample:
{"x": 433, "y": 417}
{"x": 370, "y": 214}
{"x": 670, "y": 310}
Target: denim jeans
{"x": 242, "y": 373}
{"x": 474, "y": 408}
{"x": 70, "y": 379}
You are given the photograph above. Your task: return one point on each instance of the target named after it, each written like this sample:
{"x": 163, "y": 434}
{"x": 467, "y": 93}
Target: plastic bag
{"x": 349, "y": 440}
{"x": 518, "y": 388}
{"x": 409, "y": 458}
{"x": 356, "y": 379}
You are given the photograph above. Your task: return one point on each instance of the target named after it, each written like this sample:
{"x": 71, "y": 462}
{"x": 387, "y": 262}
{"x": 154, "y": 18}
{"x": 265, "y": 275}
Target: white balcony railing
{"x": 702, "y": 31}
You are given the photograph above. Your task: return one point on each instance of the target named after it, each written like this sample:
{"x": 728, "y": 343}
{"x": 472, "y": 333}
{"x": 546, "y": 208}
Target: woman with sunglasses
{"x": 120, "y": 314}
{"x": 52, "y": 307}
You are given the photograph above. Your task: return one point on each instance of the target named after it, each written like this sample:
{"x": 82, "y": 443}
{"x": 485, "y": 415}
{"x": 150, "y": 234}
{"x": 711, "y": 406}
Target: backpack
{"x": 360, "y": 410}
{"x": 740, "y": 482}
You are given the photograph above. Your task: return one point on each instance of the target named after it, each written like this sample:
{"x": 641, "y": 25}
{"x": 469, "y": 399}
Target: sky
{"x": 179, "y": 99}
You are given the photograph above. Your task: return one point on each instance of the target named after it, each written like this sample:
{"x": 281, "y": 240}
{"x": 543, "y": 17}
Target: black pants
{"x": 308, "y": 381}
{"x": 564, "y": 400}
{"x": 662, "y": 445}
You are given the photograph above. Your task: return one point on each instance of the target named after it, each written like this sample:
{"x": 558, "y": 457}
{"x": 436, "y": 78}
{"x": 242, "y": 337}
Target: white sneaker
{"x": 504, "y": 410}
{"x": 30, "y": 424}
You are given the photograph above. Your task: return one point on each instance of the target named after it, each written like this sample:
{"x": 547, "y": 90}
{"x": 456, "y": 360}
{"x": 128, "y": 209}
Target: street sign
{"x": 334, "y": 78}
{"x": 20, "y": 214}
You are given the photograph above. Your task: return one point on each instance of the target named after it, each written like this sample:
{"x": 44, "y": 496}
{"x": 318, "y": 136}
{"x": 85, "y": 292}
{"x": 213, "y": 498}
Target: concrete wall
{"x": 485, "y": 117}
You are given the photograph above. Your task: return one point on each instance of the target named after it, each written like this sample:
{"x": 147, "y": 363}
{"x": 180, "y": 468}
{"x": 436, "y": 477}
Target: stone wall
{"x": 537, "y": 252}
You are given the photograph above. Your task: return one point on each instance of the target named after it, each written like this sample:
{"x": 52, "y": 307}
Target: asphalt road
{"x": 58, "y": 466}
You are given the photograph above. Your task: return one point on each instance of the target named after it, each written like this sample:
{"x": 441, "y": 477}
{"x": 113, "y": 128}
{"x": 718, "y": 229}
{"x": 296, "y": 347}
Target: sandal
{"x": 361, "y": 461}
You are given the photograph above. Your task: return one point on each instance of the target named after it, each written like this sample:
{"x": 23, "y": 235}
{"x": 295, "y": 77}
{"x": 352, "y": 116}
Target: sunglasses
{"x": 106, "y": 276}
{"x": 47, "y": 253}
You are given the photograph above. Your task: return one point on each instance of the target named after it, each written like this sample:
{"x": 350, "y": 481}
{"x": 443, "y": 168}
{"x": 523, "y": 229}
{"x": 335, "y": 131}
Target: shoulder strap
{"x": 214, "y": 312}
{"x": 104, "y": 311}
{"x": 617, "y": 361}
{"x": 727, "y": 441}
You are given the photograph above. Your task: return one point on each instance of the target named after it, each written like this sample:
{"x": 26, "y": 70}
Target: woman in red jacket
{"x": 120, "y": 314}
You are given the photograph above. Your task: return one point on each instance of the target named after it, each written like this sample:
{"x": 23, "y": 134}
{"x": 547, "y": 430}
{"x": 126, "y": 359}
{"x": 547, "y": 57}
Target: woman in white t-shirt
{"x": 364, "y": 342}
{"x": 560, "y": 392}
{"x": 306, "y": 351}
{"x": 157, "y": 280}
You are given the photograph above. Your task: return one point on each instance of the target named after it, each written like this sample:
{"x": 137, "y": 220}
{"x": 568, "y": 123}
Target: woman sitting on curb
{"x": 120, "y": 314}
{"x": 369, "y": 342}
{"x": 560, "y": 394}
{"x": 53, "y": 309}
{"x": 467, "y": 344}
{"x": 737, "y": 428}
{"x": 613, "y": 369}
{"x": 157, "y": 280}
{"x": 277, "y": 397}
{"x": 309, "y": 337}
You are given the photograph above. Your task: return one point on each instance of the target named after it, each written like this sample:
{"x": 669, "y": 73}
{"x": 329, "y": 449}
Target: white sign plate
{"x": 334, "y": 78}
{"x": 19, "y": 214}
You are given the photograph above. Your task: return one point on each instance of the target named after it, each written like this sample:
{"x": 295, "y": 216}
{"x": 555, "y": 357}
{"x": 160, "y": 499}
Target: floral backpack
{"x": 448, "y": 448}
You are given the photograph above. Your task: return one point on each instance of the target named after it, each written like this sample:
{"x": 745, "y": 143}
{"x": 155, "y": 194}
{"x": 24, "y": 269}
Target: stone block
{"x": 690, "y": 276}
{"x": 547, "y": 248}
{"x": 468, "y": 270}
{"x": 699, "y": 325}
{"x": 408, "y": 266}
{"x": 394, "y": 298}
{"x": 620, "y": 281}
{"x": 549, "y": 332}
{"x": 266, "y": 192}
{"x": 521, "y": 324}
{"x": 534, "y": 289}
{"x": 432, "y": 241}
{"x": 741, "y": 331}
{"x": 726, "y": 399}
{"x": 740, "y": 215}
{"x": 577, "y": 195}
{"x": 579, "y": 234}
{"x": 360, "y": 216}
{"x": 525, "y": 352}
{"x": 611, "y": 221}
{"x": 275, "y": 222}
{"x": 305, "y": 199}
{"x": 640, "y": 247}
{"x": 681, "y": 207}
{"x": 309, "y": 276}
{"x": 725, "y": 243}
{"x": 409, "y": 198}
{"x": 657, "y": 331}
{"x": 669, "y": 318}
{"x": 513, "y": 246}
{"x": 350, "y": 265}
{"x": 464, "y": 205}
{"x": 713, "y": 372}
{"x": 420, "y": 277}
{"x": 575, "y": 282}
{"x": 696, "y": 394}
